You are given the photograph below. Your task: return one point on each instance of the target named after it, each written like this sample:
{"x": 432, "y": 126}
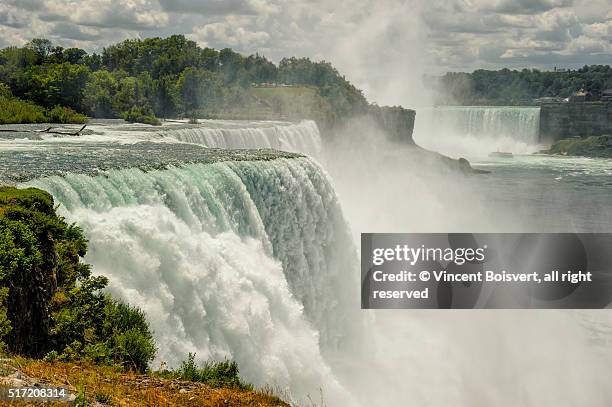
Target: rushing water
{"x": 302, "y": 137}
{"x": 476, "y": 131}
{"x": 246, "y": 260}
{"x": 240, "y": 254}
{"x": 246, "y": 254}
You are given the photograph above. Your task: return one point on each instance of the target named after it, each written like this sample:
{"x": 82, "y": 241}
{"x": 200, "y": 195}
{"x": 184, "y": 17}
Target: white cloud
{"x": 370, "y": 41}
{"x": 229, "y": 34}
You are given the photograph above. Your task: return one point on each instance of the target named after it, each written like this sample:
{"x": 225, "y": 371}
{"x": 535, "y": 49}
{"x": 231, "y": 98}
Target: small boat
{"x": 500, "y": 154}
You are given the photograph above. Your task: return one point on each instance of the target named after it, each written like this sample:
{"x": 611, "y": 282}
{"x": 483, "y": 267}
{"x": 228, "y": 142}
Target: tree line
{"x": 511, "y": 87}
{"x": 162, "y": 77}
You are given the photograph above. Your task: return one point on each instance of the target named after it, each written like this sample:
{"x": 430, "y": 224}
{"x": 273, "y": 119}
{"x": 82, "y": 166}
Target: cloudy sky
{"x": 393, "y": 37}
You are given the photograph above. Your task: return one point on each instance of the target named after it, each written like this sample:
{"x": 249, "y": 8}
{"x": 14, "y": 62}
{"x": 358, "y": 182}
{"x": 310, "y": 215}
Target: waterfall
{"x": 302, "y": 137}
{"x": 247, "y": 260}
{"x": 477, "y": 131}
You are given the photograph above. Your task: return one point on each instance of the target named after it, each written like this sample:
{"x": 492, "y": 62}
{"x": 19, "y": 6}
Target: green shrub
{"x": 13, "y": 110}
{"x": 5, "y": 91}
{"x": 214, "y": 374}
{"x": 104, "y": 398}
{"x": 60, "y": 114}
{"x": 138, "y": 114}
{"x": 51, "y": 356}
{"x": 5, "y": 323}
{"x": 94, "y": 327}
{"x": 130, "y": 338}
{"x": 134, "y": 349}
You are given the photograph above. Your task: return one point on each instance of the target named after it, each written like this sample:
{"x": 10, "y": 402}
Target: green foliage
{"x": 5, "y": 324}
{"x": 214, "y": 374}
{"x": 129, "y": 335}
{"x": 594, "y": 146}
{"x": 198, "y": 89}
{"x": 81, "y": 397}
{"x": 99, "y": 94}
{"x": 94, "y": 327}
{"x": 54, "y": 306}
{"x": 141, "y": 115}
{"x": 57, "y": 84}
{"x": 511, "y": 87}
{"x": 13, "y": 110}
{"x": 60, "y": 114}
{"x": 167, "y": 77}
{"x": 104, "y": 398}
{"x": 5, "y": 91}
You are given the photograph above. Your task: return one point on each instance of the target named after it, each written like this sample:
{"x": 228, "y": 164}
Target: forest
{"x": 142, "y": 80}
{"x": 513, "y": 87}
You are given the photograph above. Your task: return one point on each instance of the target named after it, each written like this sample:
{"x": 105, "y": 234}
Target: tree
{"x": 198, "y": 89}
{"x": 99, "y": 94}
{"x": 166, "y": 98}
{"x": 74, "y": 55}
{"x": 42, "y": 47}
{"x": 57, "y": 84}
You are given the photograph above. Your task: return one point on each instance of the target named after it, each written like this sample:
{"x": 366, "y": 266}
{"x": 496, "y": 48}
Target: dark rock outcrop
{"x": 565, "y": 120}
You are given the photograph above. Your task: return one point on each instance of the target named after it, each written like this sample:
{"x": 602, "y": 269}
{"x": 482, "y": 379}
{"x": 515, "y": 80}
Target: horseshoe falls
{"x": 474, "y": 132}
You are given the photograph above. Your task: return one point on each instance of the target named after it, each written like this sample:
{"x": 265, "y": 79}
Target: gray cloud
{"x": 208, "y": 7}
{"x": 74, "y": 32}
{"x": 527, "y": 6}
{"x": 32, "y": 5}
{"x": 11, "y": 20}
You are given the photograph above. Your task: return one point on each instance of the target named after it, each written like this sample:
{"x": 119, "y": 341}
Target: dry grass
{"x": 107, "y": 386}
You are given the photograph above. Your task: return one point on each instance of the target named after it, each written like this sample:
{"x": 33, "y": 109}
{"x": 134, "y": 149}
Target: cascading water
{"x": 246, "y": 255}
{"x": 247, "y": 260}
{"x": 477, "y": 131}
{"x": 302, "y": 137}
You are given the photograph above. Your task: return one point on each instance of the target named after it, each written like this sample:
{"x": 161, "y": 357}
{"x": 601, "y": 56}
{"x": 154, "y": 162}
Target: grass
{"x": 290, "y": 101}
{"x": 113, "y": 386}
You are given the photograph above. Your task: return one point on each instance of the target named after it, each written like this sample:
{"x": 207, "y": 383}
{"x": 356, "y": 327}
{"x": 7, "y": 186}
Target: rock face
{"x": 396, "y": 121}
{"x": 565, "y": 120}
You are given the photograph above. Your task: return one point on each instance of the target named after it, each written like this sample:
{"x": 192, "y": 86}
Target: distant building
{"x": 606, "y": 95}
{"x": 580, "y": 96}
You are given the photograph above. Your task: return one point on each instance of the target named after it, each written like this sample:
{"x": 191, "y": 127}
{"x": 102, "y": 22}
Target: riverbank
{"x": 594, "y": 146}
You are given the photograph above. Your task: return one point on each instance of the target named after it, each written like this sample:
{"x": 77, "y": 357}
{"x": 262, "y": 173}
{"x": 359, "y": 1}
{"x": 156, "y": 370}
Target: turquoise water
{"x": 110, "y": 145}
